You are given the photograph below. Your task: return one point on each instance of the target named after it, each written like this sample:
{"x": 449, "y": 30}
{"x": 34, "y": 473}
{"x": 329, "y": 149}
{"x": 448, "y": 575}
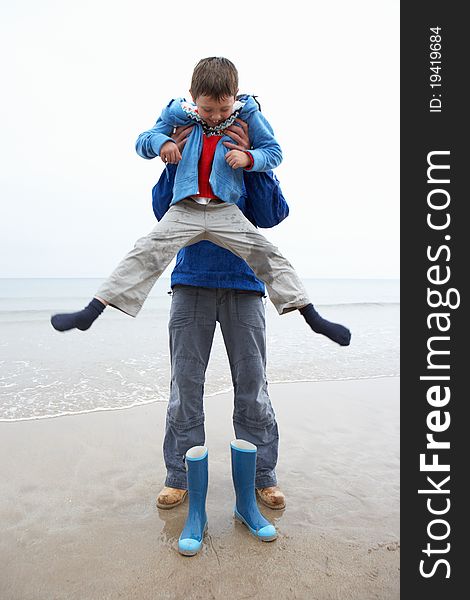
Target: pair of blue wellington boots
{"x": 246, "y": 509}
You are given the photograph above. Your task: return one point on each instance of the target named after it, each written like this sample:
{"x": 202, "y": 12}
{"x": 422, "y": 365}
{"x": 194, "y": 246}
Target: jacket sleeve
{"x": 266, "y": 153}
{"x": 149, "y": 142}
{"x": 162, "y": 191}
{"x": 265, "y": 205}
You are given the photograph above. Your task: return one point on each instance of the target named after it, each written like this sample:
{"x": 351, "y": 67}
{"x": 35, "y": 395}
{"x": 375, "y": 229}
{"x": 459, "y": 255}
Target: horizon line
{"x": 396, "y": 278}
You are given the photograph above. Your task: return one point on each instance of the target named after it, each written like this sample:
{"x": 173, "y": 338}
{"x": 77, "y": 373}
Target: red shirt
{"x": 209, "y": 144}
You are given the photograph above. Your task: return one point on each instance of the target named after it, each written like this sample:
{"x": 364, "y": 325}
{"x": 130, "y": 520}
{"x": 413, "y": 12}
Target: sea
{"x": 123, "y": 362}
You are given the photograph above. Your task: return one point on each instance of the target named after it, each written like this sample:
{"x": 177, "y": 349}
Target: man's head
{"x": 214, "y": 87}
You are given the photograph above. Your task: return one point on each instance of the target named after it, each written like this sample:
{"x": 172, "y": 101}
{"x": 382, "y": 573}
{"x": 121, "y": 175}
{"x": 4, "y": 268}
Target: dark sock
{"x": 338, "y": 333}
{"x": 78, "y": 320}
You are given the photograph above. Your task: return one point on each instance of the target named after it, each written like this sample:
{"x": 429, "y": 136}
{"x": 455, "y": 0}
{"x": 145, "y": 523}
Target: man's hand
{"x": 181, "y": 135}
{"x": 237, "y": 159}
{"x": 239, "y": 134}
{"x": 169, "y": 153}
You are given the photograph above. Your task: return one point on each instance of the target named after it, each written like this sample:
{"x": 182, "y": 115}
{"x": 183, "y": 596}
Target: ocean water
{"x": 122, "y": 362}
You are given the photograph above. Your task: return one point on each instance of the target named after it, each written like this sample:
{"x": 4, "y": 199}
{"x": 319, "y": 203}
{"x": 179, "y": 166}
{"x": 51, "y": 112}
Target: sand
{"x": 78, "y": 517}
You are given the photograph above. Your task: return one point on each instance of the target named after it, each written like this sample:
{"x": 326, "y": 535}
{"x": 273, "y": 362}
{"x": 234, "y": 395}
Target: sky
{"x": 81, "y": 80}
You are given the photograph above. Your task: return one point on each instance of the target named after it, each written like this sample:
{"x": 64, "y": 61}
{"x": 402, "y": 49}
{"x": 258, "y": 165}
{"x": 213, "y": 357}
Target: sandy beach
{"x": 79, "y": 521}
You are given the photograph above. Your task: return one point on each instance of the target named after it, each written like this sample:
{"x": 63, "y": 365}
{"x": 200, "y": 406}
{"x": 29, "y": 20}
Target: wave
{"x": 41, "y": 311}
{"x": 224, "y": 390}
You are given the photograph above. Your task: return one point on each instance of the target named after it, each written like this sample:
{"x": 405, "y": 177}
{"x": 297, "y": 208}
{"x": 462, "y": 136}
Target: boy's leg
{"x": 229, "y": 228}
{"x": 130, "y": 283}
{"x": 242, "y": 321}
{"x": 191, "y": 328}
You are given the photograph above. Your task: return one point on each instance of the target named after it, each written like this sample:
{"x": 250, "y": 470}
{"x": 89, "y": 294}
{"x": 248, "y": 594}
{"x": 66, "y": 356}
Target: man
{"x": 210, "y": 285}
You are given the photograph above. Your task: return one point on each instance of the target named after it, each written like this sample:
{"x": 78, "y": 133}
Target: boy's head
{"x": 214, "y": 87}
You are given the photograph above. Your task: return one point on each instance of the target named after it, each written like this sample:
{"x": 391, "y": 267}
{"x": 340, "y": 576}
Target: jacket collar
{"x": 191, "y": 110}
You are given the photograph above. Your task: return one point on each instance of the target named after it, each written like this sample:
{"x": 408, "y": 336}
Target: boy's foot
{"x": 170, "y": 497}
{"x": 272, "y": 497}
{"x": 81, "y": 319}
{"x": 336, "y": 332}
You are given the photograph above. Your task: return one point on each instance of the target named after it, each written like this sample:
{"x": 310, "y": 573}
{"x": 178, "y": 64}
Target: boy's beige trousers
{"x": 186, "y": 223}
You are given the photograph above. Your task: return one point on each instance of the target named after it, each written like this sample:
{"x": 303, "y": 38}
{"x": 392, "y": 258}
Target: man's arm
{"x": 265, "y": 203}
{"x": 162, "y": 191}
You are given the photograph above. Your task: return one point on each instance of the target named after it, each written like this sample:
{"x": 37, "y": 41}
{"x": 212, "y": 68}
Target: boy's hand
{"x": 239, "y": 134}
{"x": 181, "y": 135}
{"x": 237, "y": 159}
{"x": 169, "y": 153}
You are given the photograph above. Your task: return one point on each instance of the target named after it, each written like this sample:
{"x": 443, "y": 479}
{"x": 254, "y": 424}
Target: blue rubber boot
{"x": 243, "y": 475}
{"x": 190, "y": 540}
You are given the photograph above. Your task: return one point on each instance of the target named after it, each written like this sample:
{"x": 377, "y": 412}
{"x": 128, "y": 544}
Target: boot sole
{"x": 238, "y": 517}
{"x": 168, "y": 506}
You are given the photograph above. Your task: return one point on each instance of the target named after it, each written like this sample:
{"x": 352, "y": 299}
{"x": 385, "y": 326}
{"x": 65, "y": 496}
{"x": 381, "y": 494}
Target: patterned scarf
{"x": 192, "y": 113}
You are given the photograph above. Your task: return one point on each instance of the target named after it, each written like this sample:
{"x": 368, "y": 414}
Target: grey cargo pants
{"x": 194, "y": 313}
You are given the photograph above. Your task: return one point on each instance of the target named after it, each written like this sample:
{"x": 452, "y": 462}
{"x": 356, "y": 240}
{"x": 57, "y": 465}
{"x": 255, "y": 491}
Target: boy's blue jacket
{"x": 206, "y": 264}
{"x": 226, "y": 183}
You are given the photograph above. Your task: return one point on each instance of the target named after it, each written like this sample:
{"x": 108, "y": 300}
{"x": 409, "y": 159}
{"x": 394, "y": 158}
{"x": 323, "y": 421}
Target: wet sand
{"x": 78, "y": 518}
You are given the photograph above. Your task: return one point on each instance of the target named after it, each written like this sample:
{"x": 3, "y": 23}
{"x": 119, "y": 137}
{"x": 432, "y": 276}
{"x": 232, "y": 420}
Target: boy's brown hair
{"x": 216, "y": 77}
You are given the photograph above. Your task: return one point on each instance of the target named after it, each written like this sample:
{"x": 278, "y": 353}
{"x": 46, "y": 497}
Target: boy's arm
{"x": 265, "y": 205}
{"x": 149, "y": 143}
{"x": 266, "y": 153}
{"x": 262, "y": 201}
{"x": 162, "y": 191}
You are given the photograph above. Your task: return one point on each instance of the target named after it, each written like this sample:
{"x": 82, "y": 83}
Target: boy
{"x": 208, "y": 183}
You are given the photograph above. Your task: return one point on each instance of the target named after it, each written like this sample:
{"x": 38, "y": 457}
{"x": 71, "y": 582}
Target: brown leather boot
{"x": 272, "y": 497}
{"x": 170, "y": 497}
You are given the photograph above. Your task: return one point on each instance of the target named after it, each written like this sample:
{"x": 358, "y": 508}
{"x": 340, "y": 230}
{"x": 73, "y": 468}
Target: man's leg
{"x": 192, "y": 325}
{"x": 242, "y": 321}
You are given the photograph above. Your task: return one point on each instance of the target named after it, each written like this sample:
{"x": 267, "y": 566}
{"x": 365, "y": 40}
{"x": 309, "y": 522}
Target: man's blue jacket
{"x": 208, "y": 265}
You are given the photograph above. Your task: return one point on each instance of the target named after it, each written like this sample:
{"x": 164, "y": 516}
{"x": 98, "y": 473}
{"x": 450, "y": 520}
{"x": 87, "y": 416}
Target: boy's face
{"x": 214, "y": 111}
